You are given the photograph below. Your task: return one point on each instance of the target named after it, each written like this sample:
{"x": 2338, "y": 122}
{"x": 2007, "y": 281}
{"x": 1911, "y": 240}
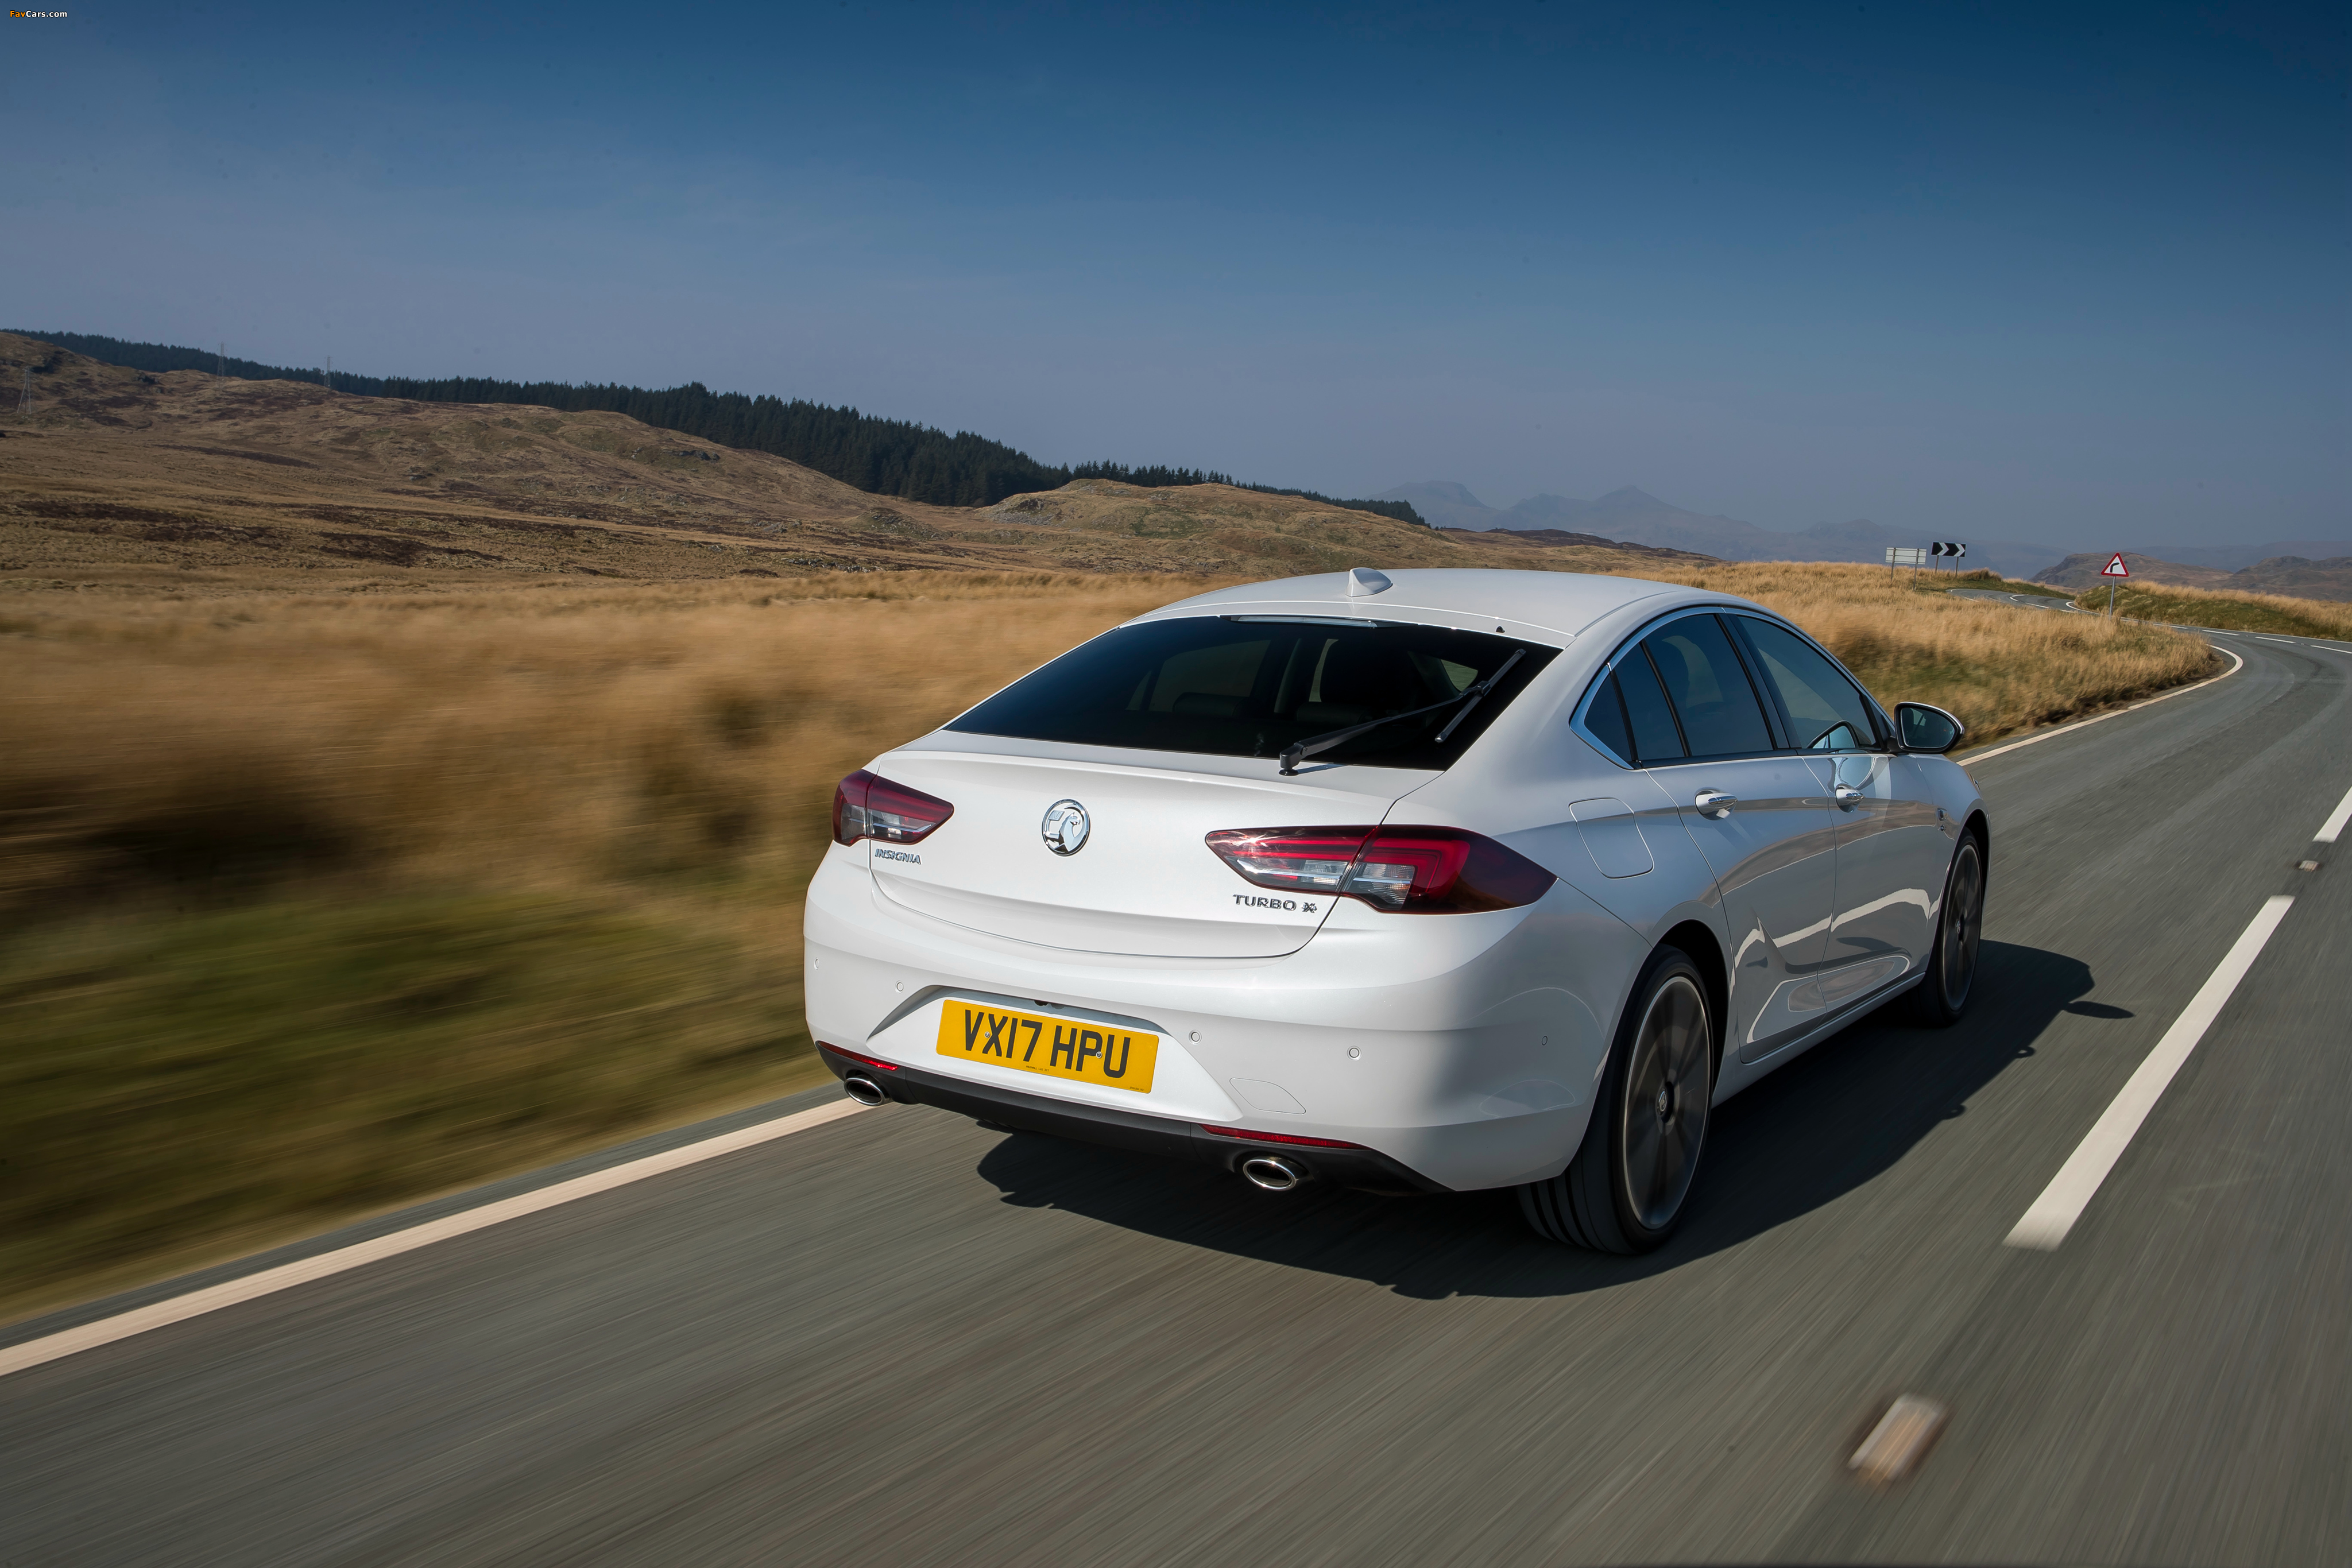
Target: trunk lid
{"x": 1142, "y": 882}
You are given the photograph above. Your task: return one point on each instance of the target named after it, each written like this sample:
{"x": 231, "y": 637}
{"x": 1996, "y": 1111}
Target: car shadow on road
{"x": 1820, "y": 1127}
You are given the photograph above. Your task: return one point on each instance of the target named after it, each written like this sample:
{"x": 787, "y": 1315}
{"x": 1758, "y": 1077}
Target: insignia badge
{"x": 1065, "y": 827}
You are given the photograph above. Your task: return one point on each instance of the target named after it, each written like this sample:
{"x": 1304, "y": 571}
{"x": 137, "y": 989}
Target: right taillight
{"x": 1406, "y": 871}
{"x": 867, "y": 806}
{"x": 1294, "y": 859}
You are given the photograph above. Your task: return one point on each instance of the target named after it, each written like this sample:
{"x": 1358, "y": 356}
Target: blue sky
{"x": 2077, "y": 277}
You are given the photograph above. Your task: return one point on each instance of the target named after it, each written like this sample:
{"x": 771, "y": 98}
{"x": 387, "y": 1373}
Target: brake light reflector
{"x": 1405, "y": 870}
{"x": 1278, "y": 1137}
{"x": 868, "y": 806}
{"x": 861, "y": 1061}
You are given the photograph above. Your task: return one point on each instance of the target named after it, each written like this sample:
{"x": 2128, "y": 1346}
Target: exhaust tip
{"x": 1271, "y": 1172}
{"x": 863, "y": 1090}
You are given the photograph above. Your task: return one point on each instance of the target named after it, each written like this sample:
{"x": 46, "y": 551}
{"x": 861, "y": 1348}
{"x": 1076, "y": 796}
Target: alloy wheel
{"x": 1963, "y": 926}
{"x": 1667, "y": 1084}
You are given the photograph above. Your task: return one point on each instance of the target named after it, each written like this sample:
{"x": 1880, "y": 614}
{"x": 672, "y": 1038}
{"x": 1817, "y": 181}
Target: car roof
{"x": 1559, "y": 603}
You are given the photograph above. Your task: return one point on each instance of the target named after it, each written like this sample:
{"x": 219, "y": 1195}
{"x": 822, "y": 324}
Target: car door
{"x": 1891, "y": 848}
{"x": 1681, "y": 703}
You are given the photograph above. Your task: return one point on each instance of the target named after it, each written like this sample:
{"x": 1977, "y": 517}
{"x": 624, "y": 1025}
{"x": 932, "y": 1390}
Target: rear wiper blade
{"x": 1297, "y": 751}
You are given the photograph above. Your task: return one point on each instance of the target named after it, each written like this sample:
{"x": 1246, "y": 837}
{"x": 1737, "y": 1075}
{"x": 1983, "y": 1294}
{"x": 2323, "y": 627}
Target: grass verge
{"x": 2223, "y": 609}
{"x": 179, "y": 1085}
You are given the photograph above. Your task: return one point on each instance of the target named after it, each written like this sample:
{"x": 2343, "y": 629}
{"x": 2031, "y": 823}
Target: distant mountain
{"x": 2238, "y": 558}
{"x": 1446, "y": 505}
{"x": 2081, "y": 571}
{"x": 1637, "y": 517}
{"x": 1513, "y": 538}
{"x": 2298, "y": 577}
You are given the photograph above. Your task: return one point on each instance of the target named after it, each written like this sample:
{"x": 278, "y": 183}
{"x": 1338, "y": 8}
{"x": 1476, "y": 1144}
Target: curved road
{"x": 897, "y": 1338}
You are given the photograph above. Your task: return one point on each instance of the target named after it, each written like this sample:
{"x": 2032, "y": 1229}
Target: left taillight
{"x": 868, "y": 806}
{"x": 1405, "y": 870}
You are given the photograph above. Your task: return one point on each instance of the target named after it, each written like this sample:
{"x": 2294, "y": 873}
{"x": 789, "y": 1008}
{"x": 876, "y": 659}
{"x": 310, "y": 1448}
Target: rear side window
{"x": 1630, "y": 714}
{"x": 1606, "y": 719}
{"x": 1709, "y": 688}
{"x": 1655, "y": 738}
{"x": 1250, "y": 686}
{"x": 1825, "y": 710}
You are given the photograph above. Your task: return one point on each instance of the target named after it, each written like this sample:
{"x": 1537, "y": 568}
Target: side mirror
{"x": 1919, "y": 728}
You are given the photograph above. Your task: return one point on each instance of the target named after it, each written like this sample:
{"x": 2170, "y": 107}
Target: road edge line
{"x": 179, "y": 1308}
{"x": 2101, "y": 718}
{"x": 2045, "y": 1224}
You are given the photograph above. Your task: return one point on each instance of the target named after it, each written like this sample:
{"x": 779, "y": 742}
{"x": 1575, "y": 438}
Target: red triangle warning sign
{"x": 2115, "y": 568}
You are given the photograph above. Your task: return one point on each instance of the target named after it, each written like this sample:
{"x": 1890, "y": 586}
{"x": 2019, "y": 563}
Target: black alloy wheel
{"x": 1626, "y": 1189}
{"x": 1940, "y": 999}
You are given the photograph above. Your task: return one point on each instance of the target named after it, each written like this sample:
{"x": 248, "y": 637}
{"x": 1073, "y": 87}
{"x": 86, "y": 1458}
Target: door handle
{"x": 1715, "y": 803}
{"x": 1847, "y": 794}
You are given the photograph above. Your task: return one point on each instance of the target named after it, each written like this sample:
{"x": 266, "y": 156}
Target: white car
{"x": 1425, "y": 881}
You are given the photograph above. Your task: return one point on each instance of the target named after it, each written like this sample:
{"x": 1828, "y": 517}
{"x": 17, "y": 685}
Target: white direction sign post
{"x": 1924, "y": 555}
{"x": 2111, "y": 570}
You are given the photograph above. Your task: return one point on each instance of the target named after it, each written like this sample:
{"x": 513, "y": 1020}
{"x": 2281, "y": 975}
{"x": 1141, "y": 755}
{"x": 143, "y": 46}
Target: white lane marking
{"x": 155, "y": 1315}
{"x": 2238, "y": 664}
{"x": 2336, "y": 821}
{"x": 1895, "y": 1446}
{"x": 2062, "y": 1203}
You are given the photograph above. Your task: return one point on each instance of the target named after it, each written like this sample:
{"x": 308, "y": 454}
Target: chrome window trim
{"x": 1884, "y": 741}
{"x": 1774, "y": 721}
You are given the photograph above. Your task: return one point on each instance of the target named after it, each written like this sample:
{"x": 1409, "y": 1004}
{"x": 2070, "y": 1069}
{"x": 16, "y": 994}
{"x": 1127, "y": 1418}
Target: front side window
{"x": 1826, "y": 710}
{"x": 1252, "y": 685}
{"x": 1709, "y": 689}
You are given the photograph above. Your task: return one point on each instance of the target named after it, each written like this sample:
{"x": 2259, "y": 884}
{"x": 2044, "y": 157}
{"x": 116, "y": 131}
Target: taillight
{"x": 867, "y": 806}
{"x": 1294, "y": 859}
{"x": 1406, "y": 871}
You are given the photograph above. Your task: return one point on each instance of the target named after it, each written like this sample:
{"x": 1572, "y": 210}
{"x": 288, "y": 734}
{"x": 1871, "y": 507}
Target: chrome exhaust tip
{"x": 863, "y": 1090}
{"x": 1271, "y": 1172}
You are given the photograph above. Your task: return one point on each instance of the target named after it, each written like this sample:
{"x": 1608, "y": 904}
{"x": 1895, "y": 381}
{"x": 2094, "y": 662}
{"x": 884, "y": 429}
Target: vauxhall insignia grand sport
{"x": 1426, "y": 881}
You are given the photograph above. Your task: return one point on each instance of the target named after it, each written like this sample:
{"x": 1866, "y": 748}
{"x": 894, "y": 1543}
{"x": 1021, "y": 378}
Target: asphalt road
{"x": 900, "y": 1339}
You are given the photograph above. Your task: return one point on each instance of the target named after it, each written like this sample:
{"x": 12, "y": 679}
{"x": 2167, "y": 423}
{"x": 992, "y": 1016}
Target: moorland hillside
{"x": 197, "y": 482}
{"x": 883, "y": 457}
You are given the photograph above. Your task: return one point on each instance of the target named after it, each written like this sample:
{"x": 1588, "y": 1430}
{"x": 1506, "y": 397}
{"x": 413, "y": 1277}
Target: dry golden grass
{"x": 2224, "y": 609}
{"x": 528, "y": 740}
{"x": 313, "y": 904}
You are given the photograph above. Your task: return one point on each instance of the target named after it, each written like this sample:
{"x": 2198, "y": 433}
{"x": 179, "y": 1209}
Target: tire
{"x": 1939, "y": 1000}
{"x": 1626, "y": 1187}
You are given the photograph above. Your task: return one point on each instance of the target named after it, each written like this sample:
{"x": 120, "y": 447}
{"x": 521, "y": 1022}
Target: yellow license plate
{"x": 1058, "y": 1048}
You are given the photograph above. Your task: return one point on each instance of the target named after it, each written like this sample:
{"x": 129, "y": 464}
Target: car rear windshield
{"x": 1250, "y": 686}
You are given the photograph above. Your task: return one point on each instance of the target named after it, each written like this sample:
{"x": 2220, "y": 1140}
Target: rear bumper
{"x": 1461, "y": 1048}
{"x": 1366, "y": 1169}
